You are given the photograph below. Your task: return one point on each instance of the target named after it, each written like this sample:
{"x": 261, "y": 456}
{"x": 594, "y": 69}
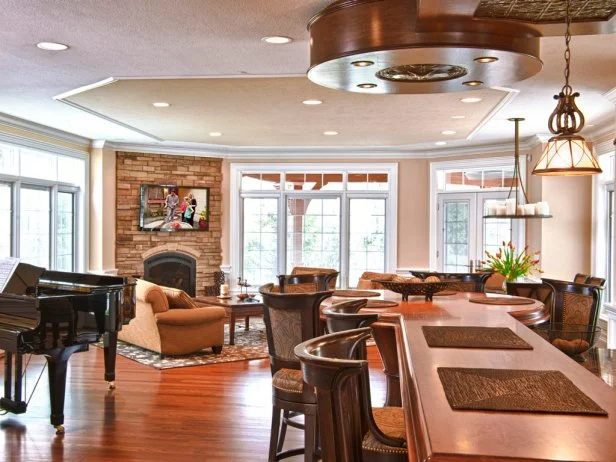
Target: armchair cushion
{"x": 153, "y": 294}
{"x": 178, "y": 298}
{"x": 187, "y": 317}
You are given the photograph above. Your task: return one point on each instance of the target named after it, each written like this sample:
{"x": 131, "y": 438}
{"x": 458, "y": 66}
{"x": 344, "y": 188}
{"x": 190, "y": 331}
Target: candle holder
{"x": 517, "y": 204}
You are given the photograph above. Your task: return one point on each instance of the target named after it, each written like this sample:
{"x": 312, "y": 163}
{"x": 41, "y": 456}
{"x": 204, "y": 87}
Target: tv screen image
{"x": 174, "y": 208}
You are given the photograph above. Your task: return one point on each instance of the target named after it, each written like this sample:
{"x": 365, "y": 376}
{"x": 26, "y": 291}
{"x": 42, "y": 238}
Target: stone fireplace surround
{"x": 171, "y": 269}
{"x": 133, "y": 247}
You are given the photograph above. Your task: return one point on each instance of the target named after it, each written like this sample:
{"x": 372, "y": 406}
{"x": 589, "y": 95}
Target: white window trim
{"x": 82, "y": 232}
{"x": 391, "y": 225}
{"x": 465, "y": 164}
{"x": 599, "y": 223}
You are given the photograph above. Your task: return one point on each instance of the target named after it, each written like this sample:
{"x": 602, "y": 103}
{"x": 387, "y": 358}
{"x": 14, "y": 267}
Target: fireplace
{"x": 172, "y": 269}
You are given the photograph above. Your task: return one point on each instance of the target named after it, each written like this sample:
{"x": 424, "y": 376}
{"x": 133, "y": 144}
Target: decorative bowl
{"x": 242, "y": 296}
{"x": 571, "y": 339}
{"x": 428, "y": 289}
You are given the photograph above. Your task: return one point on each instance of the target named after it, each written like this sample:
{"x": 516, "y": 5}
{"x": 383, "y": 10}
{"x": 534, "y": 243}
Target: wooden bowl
{"x": 428, "y": 289}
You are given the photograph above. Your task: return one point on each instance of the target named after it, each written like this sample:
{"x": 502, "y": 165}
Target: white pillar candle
{"x": 501, "y": 210}
{"x": 530, "y": 209}
{"x": 510, "y": 206}
{"x": 492, "y": 208}
{"x": 520, "y": 210}
{"x": 224, "y": 290}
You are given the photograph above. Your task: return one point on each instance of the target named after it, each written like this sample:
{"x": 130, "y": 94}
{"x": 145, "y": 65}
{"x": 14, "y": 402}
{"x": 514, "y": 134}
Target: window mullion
{"x": 53, "y": 227}
{"x": 344, "y": 239}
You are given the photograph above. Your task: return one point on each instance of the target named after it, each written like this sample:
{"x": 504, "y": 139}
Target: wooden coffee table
{"x": 234, "y": 307}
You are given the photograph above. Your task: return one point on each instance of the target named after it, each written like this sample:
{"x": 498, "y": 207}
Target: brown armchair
{"x": 168, "y": 322}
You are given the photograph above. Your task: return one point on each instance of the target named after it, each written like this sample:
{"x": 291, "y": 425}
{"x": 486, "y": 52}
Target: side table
{"x": 233, "y": 307}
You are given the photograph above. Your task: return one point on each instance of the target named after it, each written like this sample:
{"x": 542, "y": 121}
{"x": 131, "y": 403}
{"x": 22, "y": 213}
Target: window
{"x": 291, "y": 215}
{"x": 460, "y": 192}
{"x": 6, "y": 223}
{"x": 603, "y": 240}
{"x": 39, "y": 196}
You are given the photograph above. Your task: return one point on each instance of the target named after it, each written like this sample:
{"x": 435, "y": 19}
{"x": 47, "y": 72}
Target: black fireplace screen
{"x": 172, "y": 269}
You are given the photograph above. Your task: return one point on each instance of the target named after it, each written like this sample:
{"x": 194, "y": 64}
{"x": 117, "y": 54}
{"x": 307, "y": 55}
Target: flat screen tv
{"x": 169, "y": 207}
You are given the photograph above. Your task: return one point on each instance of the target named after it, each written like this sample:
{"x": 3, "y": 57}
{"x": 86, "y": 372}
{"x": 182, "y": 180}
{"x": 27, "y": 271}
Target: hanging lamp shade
{"x": 567, "y": 155}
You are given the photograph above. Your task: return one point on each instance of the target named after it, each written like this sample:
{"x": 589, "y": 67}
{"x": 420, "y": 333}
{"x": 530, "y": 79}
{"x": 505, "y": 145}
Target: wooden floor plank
{"x": 218, "y": 412}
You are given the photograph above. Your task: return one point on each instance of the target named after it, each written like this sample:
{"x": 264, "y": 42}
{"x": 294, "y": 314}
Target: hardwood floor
{"x": 218, "y": 412}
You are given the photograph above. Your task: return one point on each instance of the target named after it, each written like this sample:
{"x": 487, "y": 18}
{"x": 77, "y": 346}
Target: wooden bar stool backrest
{"x": 301, "y": 283}
{"x": 467, "y": 282}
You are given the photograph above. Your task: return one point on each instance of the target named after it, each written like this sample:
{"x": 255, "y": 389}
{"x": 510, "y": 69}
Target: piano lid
{"x": 18, "y": 278}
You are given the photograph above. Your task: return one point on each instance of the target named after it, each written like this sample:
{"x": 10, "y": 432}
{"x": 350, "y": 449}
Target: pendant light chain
{"x": 567, "y": 90}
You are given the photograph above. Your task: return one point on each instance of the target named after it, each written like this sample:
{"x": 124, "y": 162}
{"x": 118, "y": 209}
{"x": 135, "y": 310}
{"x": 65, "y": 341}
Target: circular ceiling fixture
{"x": 413, "y": 52}
{"x": 312, "y": 102}
{"x": 160, "y": 104}
{"x": 330, "y": 133}
{"x": 470, "y": 100}
{"x": 422, "y": 73}
{"x": 215, "y": 134}
{"x": 52, "y": 46}
{"x": 367, "y": 85}
{"x": 277, "y": 40}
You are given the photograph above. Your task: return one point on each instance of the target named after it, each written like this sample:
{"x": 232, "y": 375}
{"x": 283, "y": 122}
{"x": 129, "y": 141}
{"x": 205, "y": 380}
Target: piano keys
{"x": 57, "y": 314}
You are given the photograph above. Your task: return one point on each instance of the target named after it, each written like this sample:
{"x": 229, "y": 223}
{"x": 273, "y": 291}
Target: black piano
{"x": 56, "y": 314}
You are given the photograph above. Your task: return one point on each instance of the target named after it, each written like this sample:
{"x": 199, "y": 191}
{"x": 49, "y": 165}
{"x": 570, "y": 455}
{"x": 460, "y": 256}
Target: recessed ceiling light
{"x": 472, "y": 83}
{"x": 470, "y": 100}
{"x": 486, "y": 59}
{"x": 312, "y": 102}
{"x": 330, "y": 133}
{"x": 277, "y": 39}
{"x": 215, "y": 134}
{"x": 367, "y": 85}
{"x": 458, "y": 117}
{"x": 448, "y": 132}
{"x": 362, "y": 63}
{"x": 160, "y": 104}
{"x": 52, "y": 46}
{"x": 441, "y": 143}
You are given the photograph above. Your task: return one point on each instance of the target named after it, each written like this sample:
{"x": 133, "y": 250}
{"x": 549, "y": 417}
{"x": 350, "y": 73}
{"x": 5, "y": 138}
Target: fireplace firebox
{"x": 172, "y": 269}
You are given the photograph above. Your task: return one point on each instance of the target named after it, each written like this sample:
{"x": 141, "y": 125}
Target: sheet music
{"x": 7, "y": 268}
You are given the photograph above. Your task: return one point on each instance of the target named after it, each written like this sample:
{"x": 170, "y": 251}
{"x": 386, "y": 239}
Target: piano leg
{"x": 57, "y": 362}
{"x": 110, "y": 344}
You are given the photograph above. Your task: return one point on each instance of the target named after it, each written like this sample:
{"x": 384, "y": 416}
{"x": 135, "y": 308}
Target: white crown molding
{"x": 31, "y": 143}
{"x": 611, "y": 95}
{"x": 314, "y": 152}
{"x": 510, "y": 95}
{"x": 22, "y": 124}
{"x": 605, "y": 147}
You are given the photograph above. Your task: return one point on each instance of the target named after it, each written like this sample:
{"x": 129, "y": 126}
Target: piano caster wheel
{"x": 59, "y": 429}
{"x": 112, "y": 385}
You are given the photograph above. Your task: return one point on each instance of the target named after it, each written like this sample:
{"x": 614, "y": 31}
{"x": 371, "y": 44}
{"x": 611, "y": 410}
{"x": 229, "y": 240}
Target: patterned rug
{"x": 248, "y": 345}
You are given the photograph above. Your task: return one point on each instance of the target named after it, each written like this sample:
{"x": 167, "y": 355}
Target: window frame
{"x": 600, "y": 225}
{"x": 236, "y": 211}
{"x": 80, "y": 197}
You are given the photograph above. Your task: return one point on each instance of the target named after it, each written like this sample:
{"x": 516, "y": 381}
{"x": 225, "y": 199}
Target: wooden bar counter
{"x": 437, "y": 433}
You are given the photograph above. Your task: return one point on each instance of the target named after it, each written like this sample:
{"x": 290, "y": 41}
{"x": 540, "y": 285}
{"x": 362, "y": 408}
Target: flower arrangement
{"x": 512, "y": 264}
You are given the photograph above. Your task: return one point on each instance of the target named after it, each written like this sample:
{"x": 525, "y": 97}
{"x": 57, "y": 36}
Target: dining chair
{"x": 575, "y": 303}
{"x": 345, "y": 316}
{"x": 350, "y": 428}
{"x": 467, "y": 282}
{"x": 317, "y": 282}
{"x": 595, "y": 281}
{"x": 291, "y": 318}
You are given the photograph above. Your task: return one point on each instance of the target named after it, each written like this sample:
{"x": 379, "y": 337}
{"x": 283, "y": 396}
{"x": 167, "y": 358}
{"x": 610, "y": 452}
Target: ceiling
{"x": 206, "y": 58}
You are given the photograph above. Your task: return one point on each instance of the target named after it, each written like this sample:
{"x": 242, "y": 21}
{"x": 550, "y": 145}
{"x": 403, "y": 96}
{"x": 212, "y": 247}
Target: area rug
{"x": 248, "y": 345}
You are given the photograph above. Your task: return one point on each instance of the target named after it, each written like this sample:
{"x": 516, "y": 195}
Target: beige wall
{"x": 566, "y": 238}
{"x": 102, "y": 210}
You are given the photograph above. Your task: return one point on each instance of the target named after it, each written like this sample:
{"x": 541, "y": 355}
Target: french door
{"x": 464, "y": 236}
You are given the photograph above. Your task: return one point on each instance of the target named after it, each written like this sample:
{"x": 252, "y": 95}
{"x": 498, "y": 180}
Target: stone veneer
{"x": 134, "y": 246}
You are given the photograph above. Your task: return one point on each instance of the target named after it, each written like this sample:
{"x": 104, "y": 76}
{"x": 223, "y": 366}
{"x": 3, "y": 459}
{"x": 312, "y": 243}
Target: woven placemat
{"x": 355, "y": 293}
{"x": 381, "y": 304}
{"x": 501, "y": 338}
{"x": 445, "y": 293}
{"x": 514, "y": 390}
{"x": 501, "y": 300}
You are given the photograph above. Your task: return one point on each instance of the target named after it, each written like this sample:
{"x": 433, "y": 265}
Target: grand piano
{"x": 56, "y": 314}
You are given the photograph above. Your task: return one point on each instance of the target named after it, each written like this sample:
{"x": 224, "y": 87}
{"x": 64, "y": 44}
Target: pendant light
{"x": 567, "y": 153}
{"x": 518, "y": 206}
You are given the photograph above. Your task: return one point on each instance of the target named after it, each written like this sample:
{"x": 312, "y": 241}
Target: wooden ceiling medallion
{"x": 545, "y": 11}
{"x": 415, "y": 51}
